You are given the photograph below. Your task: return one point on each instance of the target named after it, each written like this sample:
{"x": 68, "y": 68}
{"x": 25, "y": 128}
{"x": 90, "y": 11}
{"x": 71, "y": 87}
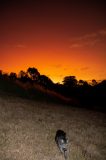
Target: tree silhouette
{"x": 33, "y": 73}
{"x": 103, "y": 83}
{"x": 5, "y": 76}
{"x": 70, "y": 81}
{"x": 94, "y": 82}
{"x": 45, "y": 81}
{"x": 1, "y": 74}
{"x": 83, "y": 83}
{"x": 13, "y": 76}
{"x": 23, "y": 76}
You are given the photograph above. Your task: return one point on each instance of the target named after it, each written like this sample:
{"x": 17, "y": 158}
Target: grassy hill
{"x": 28, "y": 91}
{"x": 27, "y": 130}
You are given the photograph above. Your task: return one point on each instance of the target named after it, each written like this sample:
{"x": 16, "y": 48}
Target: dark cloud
{"x": 88, "y": 39}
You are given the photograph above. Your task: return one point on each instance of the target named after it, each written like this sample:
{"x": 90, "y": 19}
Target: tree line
{"x": 93, "y": 93}
{"x": 32, "y": 75}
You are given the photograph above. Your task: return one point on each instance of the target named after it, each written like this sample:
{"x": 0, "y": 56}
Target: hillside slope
{"x": 27, "y": 131}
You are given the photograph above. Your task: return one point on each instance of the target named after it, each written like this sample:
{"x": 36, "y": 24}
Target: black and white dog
{"x": 62, "y": 142}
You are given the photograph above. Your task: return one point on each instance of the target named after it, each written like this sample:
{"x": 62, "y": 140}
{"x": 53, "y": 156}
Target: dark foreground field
{"x": 27, "y": 131}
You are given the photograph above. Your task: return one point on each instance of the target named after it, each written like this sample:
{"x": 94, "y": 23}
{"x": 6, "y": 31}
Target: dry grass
{"x": 27, "y": 131}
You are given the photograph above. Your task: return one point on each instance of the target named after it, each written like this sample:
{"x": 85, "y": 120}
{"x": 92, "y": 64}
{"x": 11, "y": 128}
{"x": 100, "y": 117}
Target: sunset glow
{"x": 59, "y": 38}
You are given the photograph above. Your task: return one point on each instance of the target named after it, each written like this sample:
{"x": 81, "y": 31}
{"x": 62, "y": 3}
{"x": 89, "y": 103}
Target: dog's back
{"x": 61, "y": 141}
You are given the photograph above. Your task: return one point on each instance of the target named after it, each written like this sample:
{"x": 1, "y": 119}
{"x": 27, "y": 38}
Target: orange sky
{"x": 59, "y": 38}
